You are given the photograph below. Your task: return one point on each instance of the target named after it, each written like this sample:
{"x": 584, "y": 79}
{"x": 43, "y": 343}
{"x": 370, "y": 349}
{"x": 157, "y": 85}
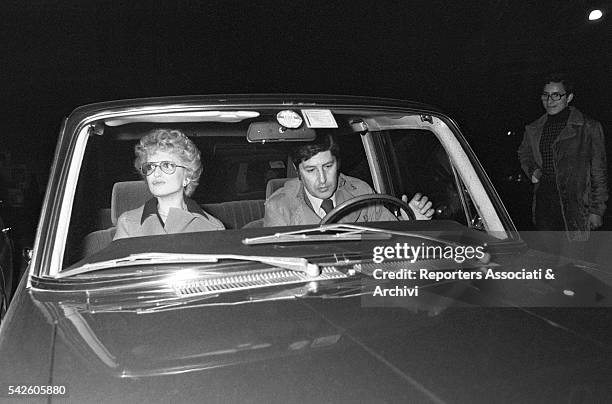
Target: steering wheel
{"x": 341, "y": 210}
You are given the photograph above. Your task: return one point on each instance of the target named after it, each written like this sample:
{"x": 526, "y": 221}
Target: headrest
{"x": 274, "y": 184}
{"x": 128, "y": 195}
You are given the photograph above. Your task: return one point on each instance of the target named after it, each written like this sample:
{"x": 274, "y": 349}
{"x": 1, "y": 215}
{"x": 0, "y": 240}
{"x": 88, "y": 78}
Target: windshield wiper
{"x": 344, "y": 231}
{"x": 340, "y": 231}
{"x": 291, "y": 263}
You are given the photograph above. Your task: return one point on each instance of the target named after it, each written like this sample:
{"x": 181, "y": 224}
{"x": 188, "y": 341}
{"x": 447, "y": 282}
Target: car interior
{"x": 239, "y": 175}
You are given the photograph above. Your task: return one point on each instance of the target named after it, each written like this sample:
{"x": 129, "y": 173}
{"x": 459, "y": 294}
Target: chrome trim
{"x": 377, "y": 177}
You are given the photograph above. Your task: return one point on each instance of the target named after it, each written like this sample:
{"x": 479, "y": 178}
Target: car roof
{"x": 221, "y": 100}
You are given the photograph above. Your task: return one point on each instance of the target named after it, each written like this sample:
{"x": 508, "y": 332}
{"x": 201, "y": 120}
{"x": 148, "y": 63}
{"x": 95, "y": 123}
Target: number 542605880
{"x": 37, "y": 390}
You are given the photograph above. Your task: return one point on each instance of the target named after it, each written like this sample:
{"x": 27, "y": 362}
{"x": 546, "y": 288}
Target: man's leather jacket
{"x": 579, "y": 157}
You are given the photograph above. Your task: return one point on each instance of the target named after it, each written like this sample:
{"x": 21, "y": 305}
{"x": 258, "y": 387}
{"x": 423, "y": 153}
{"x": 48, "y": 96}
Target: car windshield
{"x": 247, "y": 158}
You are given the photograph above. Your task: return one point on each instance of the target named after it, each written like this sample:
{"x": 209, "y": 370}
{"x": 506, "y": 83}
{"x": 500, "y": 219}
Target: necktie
{"x": 327, "y": 205}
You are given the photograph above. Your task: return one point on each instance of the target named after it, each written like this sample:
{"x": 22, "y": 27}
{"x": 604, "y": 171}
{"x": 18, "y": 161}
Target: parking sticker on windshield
{"x": 289, "y": 119}
{"x": 319, "y": 118}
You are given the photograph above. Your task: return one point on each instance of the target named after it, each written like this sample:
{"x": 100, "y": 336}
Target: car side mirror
{"x": 477, "y": 223}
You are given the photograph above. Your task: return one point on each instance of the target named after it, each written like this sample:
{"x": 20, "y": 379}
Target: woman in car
{"x": 170, "y": 164}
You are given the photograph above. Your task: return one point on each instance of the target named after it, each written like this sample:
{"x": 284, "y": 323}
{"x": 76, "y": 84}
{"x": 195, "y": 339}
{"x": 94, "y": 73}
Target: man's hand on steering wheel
{"x": 421, "y": 206}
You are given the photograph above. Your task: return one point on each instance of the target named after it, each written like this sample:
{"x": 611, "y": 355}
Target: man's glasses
{"x": 168, "y": 167}
{"x": 554, "y": 96}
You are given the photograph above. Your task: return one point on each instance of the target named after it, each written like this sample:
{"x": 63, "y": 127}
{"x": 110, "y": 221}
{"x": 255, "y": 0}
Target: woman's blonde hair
{"x": 176, "y": 142}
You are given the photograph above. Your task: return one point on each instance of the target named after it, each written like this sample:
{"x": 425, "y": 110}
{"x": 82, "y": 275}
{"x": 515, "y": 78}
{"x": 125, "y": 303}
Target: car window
{"x": 237, "y": 170}
{"x": 419, "y": 164}
{"x": 233, "y": 170}
{"x": 396, "y": 158}
{"x": 354, "y": 161}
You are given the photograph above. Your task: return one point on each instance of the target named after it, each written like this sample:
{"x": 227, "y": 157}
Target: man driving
{"x": 320, "y": 187}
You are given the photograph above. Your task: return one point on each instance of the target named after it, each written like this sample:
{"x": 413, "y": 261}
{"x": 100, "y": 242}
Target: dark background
{"x": 481, "y": 61}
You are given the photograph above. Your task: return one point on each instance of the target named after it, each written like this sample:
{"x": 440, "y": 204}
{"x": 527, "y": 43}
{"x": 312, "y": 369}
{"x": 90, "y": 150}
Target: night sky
{"x": 479, "y": 60}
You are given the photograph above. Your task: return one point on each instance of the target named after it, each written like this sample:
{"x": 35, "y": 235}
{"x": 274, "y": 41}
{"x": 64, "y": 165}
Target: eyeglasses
{"x": 168, "y": 167}
{"x": 554, "y": 96}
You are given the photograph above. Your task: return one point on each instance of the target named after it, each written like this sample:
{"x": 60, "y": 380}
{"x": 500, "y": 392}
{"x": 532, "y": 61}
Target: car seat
{"x": 271, "y": 187}
{"x": 125, "y": 196}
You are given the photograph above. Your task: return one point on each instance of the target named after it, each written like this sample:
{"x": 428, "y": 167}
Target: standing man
{"x": 320, "y": 187}
{"x": 563, "y": 152}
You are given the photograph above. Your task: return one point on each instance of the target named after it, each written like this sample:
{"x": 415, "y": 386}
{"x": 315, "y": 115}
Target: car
{"x": 453, "y": 309}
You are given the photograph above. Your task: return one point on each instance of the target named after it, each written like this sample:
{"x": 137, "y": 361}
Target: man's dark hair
{"x": 559, "y": 77}
{"x": 322, "y": 143}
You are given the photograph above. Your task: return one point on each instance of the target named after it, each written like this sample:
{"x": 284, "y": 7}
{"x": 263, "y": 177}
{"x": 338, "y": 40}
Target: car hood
{"x": 444, "y": 346}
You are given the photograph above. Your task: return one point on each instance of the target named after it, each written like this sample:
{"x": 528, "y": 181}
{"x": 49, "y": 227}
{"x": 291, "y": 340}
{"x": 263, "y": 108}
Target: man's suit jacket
{"x": 290, "y": 206}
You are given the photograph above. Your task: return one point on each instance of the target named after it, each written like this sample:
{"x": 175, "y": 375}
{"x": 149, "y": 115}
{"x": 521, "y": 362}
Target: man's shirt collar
{"x": 316, "y": 202}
